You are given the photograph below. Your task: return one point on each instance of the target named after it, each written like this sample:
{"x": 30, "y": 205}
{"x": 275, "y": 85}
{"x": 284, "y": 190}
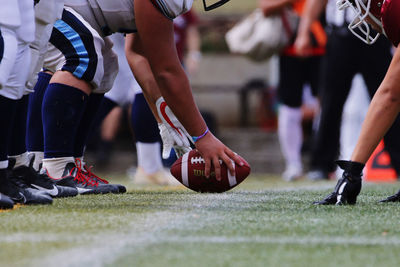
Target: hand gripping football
{"x": 189, "y": 170}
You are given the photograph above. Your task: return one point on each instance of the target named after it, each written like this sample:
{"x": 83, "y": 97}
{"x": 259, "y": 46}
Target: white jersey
{"x": 119, "y": 16}
{"x": 26, "y": 31}
{"x": 9, "y": 14}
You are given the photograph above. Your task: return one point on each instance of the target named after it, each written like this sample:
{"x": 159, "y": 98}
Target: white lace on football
{"x": 359, "y": 26}
{"x": 197, "y": 160}
{"x": 200, "y": 160}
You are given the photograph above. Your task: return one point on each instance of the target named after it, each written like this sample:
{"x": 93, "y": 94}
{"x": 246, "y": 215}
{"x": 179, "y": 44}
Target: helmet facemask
{"x": 214, "y": 5}
{"x": 359, "y": 25}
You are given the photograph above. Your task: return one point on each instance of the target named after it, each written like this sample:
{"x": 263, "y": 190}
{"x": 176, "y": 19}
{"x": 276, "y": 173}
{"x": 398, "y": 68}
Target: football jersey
{"x": 9, "y": 14}
{"x": 119, "y": 16}
{"x": 391, "y": 20}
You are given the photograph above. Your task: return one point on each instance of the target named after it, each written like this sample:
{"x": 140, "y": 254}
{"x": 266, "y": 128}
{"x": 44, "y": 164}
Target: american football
{"x": 189, "y": 170}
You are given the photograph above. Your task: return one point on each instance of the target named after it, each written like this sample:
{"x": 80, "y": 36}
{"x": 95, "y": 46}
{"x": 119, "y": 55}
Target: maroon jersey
{"x": 181, "y": 23}
{"x": 390, "y": 16}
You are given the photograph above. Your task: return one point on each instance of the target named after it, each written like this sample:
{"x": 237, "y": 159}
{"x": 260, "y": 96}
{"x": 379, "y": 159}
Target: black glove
{"x": 348, "y": 187}
{"x": 393, "y": 198}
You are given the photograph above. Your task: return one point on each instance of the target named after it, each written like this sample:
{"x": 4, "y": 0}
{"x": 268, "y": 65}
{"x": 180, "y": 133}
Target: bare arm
{"x": 141, "y": 69}
{"x": 157, "y": 41}
{"x": 382, "y": 112}
{"x": 312, "y": 11}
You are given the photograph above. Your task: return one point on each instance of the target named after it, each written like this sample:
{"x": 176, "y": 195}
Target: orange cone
{"x": 379, "y": 168}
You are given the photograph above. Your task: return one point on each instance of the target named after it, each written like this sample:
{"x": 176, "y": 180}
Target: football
{"x": 189, "y": 171}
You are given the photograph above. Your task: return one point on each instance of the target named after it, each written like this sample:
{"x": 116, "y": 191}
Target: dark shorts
{"x": 294, "y": 73}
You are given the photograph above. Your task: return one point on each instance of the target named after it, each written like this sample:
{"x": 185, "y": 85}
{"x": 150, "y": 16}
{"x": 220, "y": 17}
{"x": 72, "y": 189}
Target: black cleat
{"x": 19, "y": 192}
{"x": 6, "y": 202}
{"x": 40, "y": 181}
{"x": 393, "y": 198}
{"x": 348, "y": 187}
{"x": 90, "y": 175}
{"x": 330, "y": 199}
{"x": 74, "y": 177}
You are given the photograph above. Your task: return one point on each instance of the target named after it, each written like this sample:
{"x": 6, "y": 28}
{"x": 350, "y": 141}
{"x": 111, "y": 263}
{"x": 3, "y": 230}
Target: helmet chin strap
{"x": 213, "y": 6}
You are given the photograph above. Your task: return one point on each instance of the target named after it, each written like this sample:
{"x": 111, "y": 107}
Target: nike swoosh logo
{"x": 52, "y": 192}
{"x": 82, "y": 190}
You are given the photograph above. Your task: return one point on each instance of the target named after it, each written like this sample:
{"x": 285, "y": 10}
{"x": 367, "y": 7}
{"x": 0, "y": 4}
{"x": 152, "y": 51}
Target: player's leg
{"x": 338, "y": 71}
{"x": 7, "y": 106}
{"x": 66, "y": 97}
{"x": 23, "y": 169}
{"x": 290, "y": 130}
{"x": 34, "y": 136}
{"x": 12, "y": 100}
{"x": 83, "y": 132}
{"x": 150, "y": 167}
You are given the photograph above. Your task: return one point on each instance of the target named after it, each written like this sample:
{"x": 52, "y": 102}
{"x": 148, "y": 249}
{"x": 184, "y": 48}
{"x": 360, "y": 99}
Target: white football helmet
{"x": 365, "y": 11}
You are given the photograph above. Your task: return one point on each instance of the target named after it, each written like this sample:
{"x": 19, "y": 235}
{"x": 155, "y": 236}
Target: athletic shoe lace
{"x": 81, "y": 176}
{"x": 93, "y": 176}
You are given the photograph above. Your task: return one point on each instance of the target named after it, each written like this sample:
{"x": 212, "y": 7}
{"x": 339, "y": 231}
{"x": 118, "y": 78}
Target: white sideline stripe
{"x": 232, "y": 178}
{"x": 317, "y": 240}
{"x": 184, "y": 169}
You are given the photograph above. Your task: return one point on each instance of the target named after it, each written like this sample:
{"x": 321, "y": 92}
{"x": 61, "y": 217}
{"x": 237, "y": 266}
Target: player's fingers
{"x": 166, "y": 151}
{"x": 230, "y": 163}
{"x": 177, "y": 138}
{"x": 234, "y": 157}
{"x": 207, "y": 167}
{"x": 217, "y": 168}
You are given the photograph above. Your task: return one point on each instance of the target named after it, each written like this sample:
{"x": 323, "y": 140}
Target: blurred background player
{"x": 345, "y": 57}
{"x": 294, "y": 73}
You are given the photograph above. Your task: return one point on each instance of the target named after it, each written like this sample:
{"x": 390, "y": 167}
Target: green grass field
{"x": 264, "y": 222}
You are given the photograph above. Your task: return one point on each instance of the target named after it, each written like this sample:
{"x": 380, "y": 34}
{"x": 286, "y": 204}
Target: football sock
{"x": 149, "y": 156}
{"x": 17, "y": 143}
{"x": 144, "y": 124}
{"x": 62, "y": 111}
{"x": 87, "y": 123}
{"x": 34, "y": 135}
{"x": 7, "y": 111}
{"x": 290, "y": 134}
{"x": 55, "y": 166}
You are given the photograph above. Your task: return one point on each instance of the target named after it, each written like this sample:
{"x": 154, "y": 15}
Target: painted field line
{"x": 105, "y": 247}
{"x": 289, "y": 240}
